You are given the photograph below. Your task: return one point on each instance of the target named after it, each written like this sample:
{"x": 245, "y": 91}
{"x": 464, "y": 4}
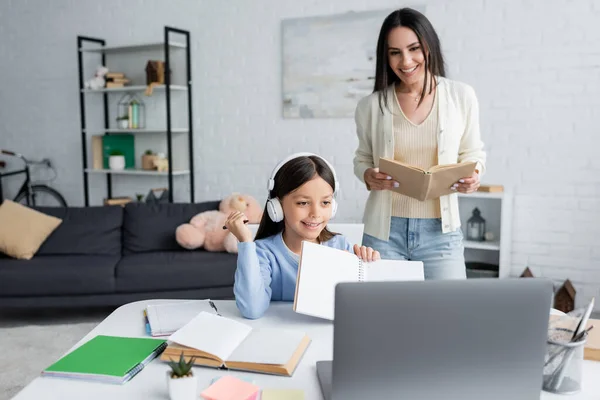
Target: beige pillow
{"x": 23, "y": 230}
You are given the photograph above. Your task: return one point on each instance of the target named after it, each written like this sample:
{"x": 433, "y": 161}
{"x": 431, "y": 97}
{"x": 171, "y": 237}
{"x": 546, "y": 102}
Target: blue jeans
{"x": 421, "y": 239}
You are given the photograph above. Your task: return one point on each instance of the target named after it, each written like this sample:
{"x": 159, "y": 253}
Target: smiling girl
{"x": 302, "y": 191}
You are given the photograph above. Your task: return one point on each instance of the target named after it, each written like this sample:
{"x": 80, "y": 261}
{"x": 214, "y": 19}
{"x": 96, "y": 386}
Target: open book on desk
{"x": 222, "y": 342}
{"x": 425, "y": 185}
{"x": 321, "y": 268}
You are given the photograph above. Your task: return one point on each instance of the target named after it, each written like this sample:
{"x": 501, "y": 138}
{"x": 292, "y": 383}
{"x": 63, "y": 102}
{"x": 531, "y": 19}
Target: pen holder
{"x": 563, "y": 363}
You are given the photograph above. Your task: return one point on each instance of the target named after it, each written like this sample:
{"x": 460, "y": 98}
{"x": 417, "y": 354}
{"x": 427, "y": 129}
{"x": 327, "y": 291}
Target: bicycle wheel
{"x": 43, "y": 196}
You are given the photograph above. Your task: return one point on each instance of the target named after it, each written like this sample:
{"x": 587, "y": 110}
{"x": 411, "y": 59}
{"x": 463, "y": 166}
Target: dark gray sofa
{"x": 112, "y": 255}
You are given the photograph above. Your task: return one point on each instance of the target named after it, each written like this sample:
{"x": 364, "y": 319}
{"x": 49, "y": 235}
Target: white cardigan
{"x": 459, "y": 140}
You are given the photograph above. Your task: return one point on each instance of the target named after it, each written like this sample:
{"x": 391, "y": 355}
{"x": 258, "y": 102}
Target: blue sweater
{"x": 267, "y": 270}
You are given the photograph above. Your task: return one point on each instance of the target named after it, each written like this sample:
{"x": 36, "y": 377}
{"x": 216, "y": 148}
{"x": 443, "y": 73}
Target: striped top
{"x": 415, "y": 145}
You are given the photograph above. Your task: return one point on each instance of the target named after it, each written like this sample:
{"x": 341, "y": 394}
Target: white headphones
{"x": 274, "y": 208}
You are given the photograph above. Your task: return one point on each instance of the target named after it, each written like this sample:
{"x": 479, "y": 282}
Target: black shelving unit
{"x": 168, "y": 87}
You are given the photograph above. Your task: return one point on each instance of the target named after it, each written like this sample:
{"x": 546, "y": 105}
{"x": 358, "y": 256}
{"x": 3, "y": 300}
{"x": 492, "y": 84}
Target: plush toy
{"x": 206, "y": 229}
{"x": 98, "y": 81}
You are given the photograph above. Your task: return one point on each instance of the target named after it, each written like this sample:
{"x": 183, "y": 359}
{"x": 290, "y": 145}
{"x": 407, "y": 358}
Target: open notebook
{"x": 425, "y": 185}
{"x": 321, "y": 268}
{"x": 222, "y": 342}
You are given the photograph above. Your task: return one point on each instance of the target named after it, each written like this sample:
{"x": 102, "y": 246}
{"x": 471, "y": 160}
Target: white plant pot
{"x": 116, "y": 162}
{"x": 123, "y": 124}
{"x": 182, "y": 388}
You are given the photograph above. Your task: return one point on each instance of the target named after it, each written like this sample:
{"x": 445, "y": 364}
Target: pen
{"x": 214, "y": 307}
{"x": 580, "y": 336}
{"x": 245, "y": 221}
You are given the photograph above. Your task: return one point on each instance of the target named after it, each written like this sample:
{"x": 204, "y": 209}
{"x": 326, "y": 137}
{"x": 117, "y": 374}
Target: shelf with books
{"x": 151, "y": 60}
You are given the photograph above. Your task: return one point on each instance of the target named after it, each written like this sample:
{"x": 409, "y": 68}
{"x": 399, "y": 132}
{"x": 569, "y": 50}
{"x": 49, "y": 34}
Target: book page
{"x": 443, "y": 179}
{"x": 212, "y": 334}
{"x": 413, "y": 181}
{"x": 320, "y": 269}
{"x": 166, "y": 318}
{"x": 394, "y": 270}
{"x": 268, "y": 346}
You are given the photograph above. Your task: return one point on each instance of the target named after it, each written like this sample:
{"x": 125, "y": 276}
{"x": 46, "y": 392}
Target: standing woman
{"x": 417, "y": 116}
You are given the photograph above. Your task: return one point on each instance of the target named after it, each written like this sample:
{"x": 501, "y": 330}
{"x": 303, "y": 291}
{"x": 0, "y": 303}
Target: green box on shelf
{"x": 124, "y": 143}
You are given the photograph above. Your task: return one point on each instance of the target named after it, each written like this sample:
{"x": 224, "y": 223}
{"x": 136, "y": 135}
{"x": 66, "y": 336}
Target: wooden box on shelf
{"x": 118, "y": 201}
{"x": 148, "y": 161}
{"x": 491, "y": 188}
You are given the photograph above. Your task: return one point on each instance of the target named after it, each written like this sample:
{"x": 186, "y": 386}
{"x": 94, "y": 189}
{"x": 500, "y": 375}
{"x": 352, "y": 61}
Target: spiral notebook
{"x": 109, "y": 359}
{"x": 321, "y": 268}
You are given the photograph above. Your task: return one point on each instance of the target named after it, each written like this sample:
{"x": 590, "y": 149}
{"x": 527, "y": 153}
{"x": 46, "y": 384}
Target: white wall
{"x": 534, "y": 64}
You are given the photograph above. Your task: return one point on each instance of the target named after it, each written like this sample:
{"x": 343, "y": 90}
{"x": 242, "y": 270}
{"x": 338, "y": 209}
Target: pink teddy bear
{"x": 206, "y": 229}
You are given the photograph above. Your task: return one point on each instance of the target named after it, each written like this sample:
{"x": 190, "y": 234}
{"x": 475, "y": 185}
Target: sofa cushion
{"x": 169, "y": 270}
{"x": 23, "y": 230}
{"x": 85, "y": 230}
{"x": 151, "y": 227}
{"x": 57, "y": 275}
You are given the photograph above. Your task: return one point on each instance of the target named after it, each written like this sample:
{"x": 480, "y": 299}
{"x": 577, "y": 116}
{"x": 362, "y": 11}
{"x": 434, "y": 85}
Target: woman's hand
{"x": 366, "y": 253}
{"x": 235, "y": 224}
{"x": 376, "y": 180}
{"x": 467, "y": 185}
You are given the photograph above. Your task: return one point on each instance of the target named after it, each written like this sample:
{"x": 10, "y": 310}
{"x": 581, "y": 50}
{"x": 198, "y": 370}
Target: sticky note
{"x": 282, "y": 394}
{"x": 231, "y": 388}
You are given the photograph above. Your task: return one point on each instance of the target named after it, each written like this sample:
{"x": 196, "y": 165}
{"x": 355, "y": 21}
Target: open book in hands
{"x": 321, "y": 268}
{"x": 217, "y": 342}
{"x": 425, "y": 185}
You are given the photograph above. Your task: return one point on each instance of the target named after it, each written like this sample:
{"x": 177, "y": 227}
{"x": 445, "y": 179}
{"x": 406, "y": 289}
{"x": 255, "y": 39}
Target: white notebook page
{"x": 166, "y": 318}
{"x": 393, "y": 270}
{"x": 212, "y": 334}
{"x": 268, "y": 346}
{"x": 320, "y": 269}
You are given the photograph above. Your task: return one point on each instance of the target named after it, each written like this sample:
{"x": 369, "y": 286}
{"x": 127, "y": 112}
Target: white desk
{"x": 151, "y": 382}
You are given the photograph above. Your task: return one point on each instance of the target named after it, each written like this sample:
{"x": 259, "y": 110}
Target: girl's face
{"x": 307, "y": 209}
{"x": 406, "y": 56}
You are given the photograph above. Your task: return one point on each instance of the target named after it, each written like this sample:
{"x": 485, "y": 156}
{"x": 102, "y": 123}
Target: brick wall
{"x": 534, "y": 64}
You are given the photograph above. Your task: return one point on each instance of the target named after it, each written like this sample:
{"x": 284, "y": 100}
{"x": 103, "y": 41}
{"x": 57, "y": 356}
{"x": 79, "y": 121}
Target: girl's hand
{"x": 235, "y": 224}
{"x": 467, "y": 185}
{"x": 366, "y": 253}
{"x": 376, "y": 180}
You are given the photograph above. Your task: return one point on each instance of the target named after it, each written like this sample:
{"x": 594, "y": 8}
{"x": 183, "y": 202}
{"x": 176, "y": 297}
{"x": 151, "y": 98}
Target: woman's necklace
{"x": 416, "y": 98}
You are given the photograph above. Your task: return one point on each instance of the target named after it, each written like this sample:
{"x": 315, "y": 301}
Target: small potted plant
{"x": 182, "y": 383}
{"x": 116, "y": 160}
{"x": 148, "y": 160}
{"x": 123, "y": 122}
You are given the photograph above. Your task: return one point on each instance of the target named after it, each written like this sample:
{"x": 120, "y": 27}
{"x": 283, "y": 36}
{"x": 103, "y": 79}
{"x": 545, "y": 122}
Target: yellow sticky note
{"x": 282, "y": 394}
{"x": 231, "y": 388}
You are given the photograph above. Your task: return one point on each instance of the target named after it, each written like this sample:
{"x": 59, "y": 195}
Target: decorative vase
{"x": 116, "y": 163}
{"x": 123, "y": 124}
{"x": 185, "y": 388}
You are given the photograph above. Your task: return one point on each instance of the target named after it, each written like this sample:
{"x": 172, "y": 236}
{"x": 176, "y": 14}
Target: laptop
{"x": 459, "y": 339}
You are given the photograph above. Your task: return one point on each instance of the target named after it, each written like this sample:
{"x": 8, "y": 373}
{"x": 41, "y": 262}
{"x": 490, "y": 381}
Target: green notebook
{"x": 110, "y": 359}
